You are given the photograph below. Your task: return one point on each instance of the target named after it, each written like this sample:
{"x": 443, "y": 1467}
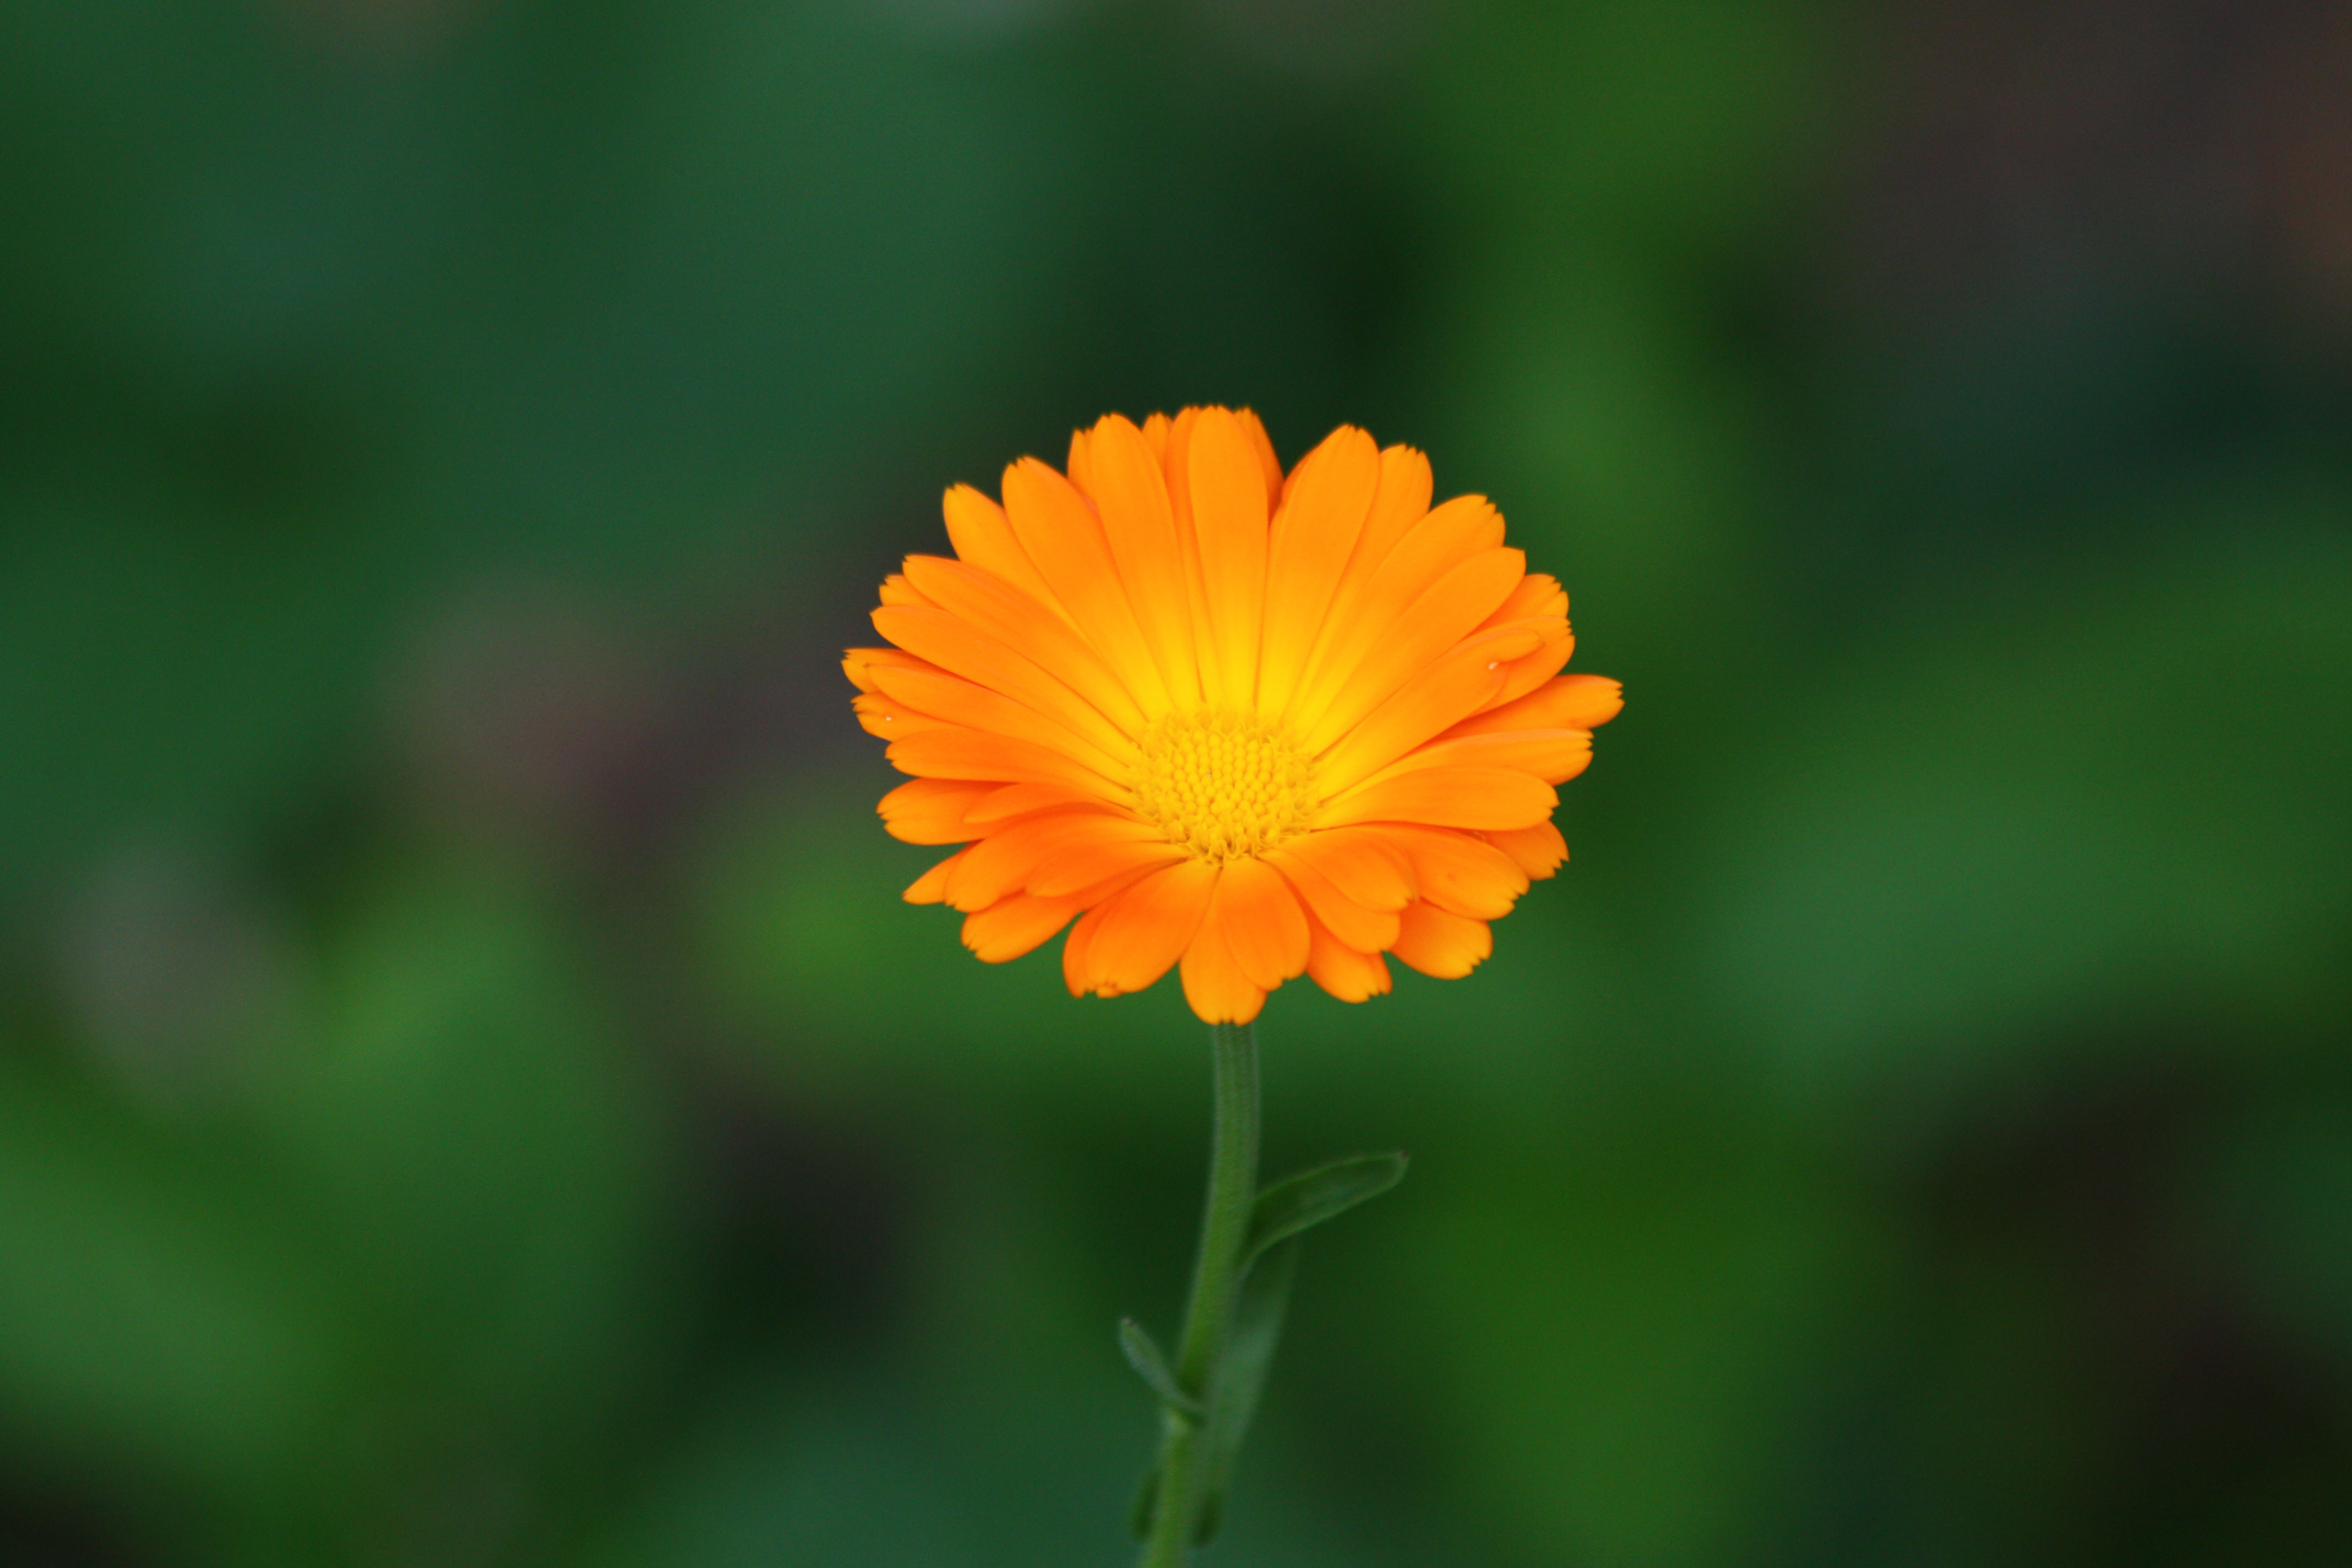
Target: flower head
{"x": 1254, "y": 725}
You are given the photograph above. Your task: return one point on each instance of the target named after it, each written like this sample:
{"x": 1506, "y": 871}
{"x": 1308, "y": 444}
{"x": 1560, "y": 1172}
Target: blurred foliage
{"x": 469, "y": 1092}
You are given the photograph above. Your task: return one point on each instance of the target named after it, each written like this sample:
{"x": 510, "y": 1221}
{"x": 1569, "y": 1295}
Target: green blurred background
{"x": 469, "y": 1093}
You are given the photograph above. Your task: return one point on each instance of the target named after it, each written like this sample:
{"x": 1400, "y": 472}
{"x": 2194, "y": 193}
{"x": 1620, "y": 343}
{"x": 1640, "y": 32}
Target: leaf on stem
{"x": 1309, "y": 1198}
{"x": 1144, "y": 1355}
{"x": 1241, "y": 1375}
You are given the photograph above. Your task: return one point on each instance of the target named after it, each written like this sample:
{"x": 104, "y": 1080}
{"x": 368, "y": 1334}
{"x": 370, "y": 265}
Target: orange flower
{"x": 1255, "y": 724}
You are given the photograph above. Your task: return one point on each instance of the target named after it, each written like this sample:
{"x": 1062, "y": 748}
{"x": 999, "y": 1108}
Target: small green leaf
{"x": 1241, "y": 1378}
{"x": 1313, "y": 1196}
{"x": 1144, "y": 1356}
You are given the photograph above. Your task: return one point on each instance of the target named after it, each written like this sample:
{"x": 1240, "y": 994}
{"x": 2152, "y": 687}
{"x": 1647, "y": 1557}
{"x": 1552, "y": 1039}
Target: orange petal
{"x": 1537, "y": 595}
{"x": 1147, "y": 927}
{"x": 1269, "y": 467}
{"x": 1262, "y": 923}
{"x": 877, "y": 715}
{"x": 1007, "y": 859}
{"x": 921, "y": 795}
{"x": 1400, "y": 503}
{"x": 1351, "y": 922}
{"x": 1349, "y": 974}
{"x": 1575, "y": 765}
{"x": 1022, "y": 624}
{"x": 1081, "y": 865}
{"x": 1401, "y": 500}
{"x": 1131, "y": 492}
{"x": 1357, "y": 861}
{"x": 1008, "y": 801}
{"x": 1155, "y": 436}
{"x": 1229, "y": 515}
{"x": 1441, "y": 945}
{"x": 1553, "y": 756}
{"x": 1457, "y": 872}
{"x": 952, "y": 644}
{"x": 960, "y": 753}
{"x": 982, "y": 537}
{"x": 1213, "y": 982}
{"x": 1570, "y": 702}
{"x": 1081, "y": 465}
{"x": 1099, "y": 893}
{"x": 1177, "y": 466}
{"x": 1020, "y": 922}
{"x": 1527, "y": 673}
{"x": 1452, "y": 687}
{"x": 931, "y": 811}
{"x": 1445, "y": 798}
{"x": 1539, "y": 849}
{"x": 1311, "y": 542}
{"x": 1448, "y": 611}
{"x": 1057, "y": 527}
{"x": 858, "y": 663}
{"x": 931, "y": 886}
{"x": 1011, "y": 927}
{"x": 960, "y": 701}
{"x": 1075, "y": 974}
{"x": 1462, "y": 527}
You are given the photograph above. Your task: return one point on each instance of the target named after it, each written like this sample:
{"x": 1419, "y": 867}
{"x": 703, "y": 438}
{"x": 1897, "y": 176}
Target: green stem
{"x": 1208, "y": 1315}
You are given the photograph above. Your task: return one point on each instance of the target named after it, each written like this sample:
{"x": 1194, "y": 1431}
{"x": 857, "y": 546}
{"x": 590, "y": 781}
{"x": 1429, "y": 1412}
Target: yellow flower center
{"x": 1223, "y": 785}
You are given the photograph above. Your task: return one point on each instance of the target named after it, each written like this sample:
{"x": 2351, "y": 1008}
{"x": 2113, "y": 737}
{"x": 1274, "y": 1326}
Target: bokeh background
{"x": 469, "y": 1093}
